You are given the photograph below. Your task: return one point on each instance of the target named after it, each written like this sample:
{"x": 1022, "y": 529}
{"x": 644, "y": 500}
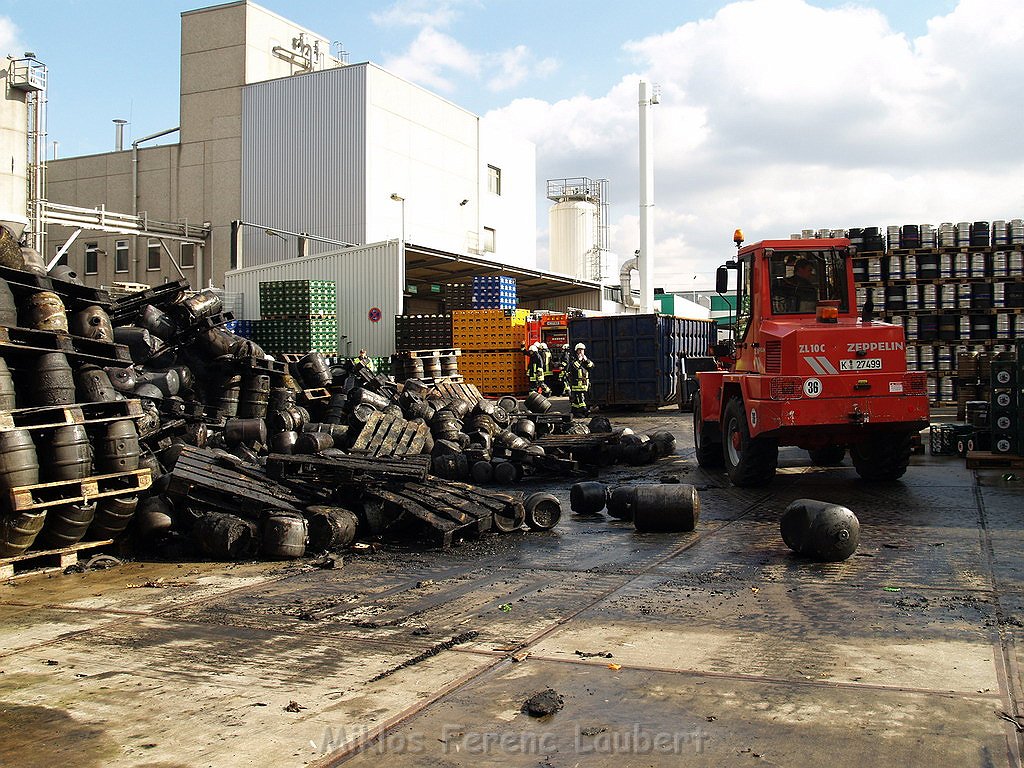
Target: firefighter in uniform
{"x": 535, "y": 367}
{"x": 577, "y": 375}
{"x": 546, "y": 354}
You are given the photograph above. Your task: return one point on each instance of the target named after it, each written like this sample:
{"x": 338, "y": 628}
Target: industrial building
{"x": 291, "y": 157}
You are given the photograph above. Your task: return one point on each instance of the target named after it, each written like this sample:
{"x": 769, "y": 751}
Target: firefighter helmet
{"x": 580, "y": 346}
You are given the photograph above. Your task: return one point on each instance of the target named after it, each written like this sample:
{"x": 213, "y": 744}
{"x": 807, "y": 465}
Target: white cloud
{"x": 421, "y": 13}
{"x": 9, "y": 38}
{"x": 517, "y": 64}
{"x": 777, "y": 116}
{"x": 433, "y": 59}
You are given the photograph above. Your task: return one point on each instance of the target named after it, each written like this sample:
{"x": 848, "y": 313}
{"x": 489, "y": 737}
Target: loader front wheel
{"x": 749, "y": 461}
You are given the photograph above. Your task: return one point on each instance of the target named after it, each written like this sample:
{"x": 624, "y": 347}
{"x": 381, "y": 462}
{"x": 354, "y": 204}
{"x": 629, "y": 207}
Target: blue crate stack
{"x": 497, "y": 292}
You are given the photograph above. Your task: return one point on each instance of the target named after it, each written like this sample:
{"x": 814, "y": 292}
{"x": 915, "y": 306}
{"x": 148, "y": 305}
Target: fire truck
{"x": 552, "y": 328}
{"x": 804, "y": 370}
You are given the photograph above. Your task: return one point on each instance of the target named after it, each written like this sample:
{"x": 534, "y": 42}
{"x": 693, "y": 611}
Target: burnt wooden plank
{"x": 366, "y": 433}
{"x": 390, "y": 440}
{"x": 383, "y": 428}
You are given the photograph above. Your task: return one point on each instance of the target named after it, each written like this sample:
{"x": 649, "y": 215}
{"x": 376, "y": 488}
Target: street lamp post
{"x": 399, "y": 199}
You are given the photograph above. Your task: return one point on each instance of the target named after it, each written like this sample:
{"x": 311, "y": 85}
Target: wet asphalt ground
{"x": 713, "y": 648}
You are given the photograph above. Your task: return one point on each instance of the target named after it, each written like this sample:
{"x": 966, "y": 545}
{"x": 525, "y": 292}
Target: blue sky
{"x": 777, "y": 115}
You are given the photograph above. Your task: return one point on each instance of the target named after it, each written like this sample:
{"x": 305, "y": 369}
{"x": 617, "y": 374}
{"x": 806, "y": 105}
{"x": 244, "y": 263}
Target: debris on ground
{"x": 544, "y": 703}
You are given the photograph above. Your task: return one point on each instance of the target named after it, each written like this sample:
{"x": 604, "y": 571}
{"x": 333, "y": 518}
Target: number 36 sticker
{"x": 812, "y": 387}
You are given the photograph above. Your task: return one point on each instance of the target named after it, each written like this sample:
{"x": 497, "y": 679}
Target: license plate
{"x": 861, "y": 364}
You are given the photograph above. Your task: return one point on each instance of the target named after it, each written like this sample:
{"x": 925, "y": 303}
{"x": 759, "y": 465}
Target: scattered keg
{"x": 507, "y": 472}
{"x": 149, "y": 391}
{"x": 45, "y": 311}
{"x": 167, "y": 381}
{"x": 92, "y": 323}
{"x": 227, "y": 391}
{"x": 525, "y": 428}
{"x": 449, "y": 365}
{"x": 820, "y": 530}
{"x": 500, "y": 417}
{"x": 94, "y": 386}
{"x": 203, "y": 304}
{"x": 314, "y": 370}
{"x": 148, "y": 460}
{"x": 122, "y": 379}
{"x": 153, "y": 520}
{"x": 8, "y": 307}
{"x": 32, "y": 261}
{"x": 216, "y": 342}
{"x": 19, "y": 465}
{"x": 481, "y": 471}
{"x": 393, "y": 410}
{"x": 665, "y": 508}
{"x": 66, "y": 524}
{"x": 338, "y": 432}
{"x": 451, "y": 466}
{"x": 242, "y": 430}
{"x": 7, "y": 393}
{"x": 69, "y": 456}
{"x": 280, "y": 421}
{"x": 281, "y": 398}
{"x": 119, "y": 449}
{"x": 19, "y": 531}
{"x": 331, "y": 528}
{"x": 587, "y": 498}
{"x": 139, "y": 341}
{"x": 112, "y": 517}
{"x": 543, "y": 511}
{"x": 363, "y": 396}
{"x": 510, "y": 518}
{"x": 313, "y": 442}
{"x": 285, "y": 534}
{"x": 664, "y": 442}
{"x": 54, "y": 384}
{"x": 621, "y": 501}
{"x": 537, "y": 403}
{"x": 509, "y": 403}
{"x": 360, "y": 415}
{"x": 66, "y": 273}
{"x": 284, "y": 442}
{"x": 253, "y": 396}
{"x": 225, "y": 537}
{"x": 461, "y": 408}
{"x": 158, "y": 323}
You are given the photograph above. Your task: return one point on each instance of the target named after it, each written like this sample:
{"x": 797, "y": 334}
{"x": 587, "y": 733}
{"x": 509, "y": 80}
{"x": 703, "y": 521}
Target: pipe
{"x": 646, "y": 262}
{"x": 625, "y": 282}
{"x": 135, "y": 183}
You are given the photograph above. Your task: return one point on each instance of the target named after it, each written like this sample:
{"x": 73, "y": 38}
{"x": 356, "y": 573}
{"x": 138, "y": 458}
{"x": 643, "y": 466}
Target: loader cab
{"x": 798, "y": 280}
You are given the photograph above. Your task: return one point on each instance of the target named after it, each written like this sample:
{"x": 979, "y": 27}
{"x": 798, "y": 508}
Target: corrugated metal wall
{"x": 304, "y": 160}
{"x": 368, "y": 277}
{"x": 590, "y": 300}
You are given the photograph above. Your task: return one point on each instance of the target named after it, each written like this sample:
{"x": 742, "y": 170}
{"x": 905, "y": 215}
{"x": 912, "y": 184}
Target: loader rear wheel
{"x": 829, "y": 456}
{"x": 749, "y": 461}
{"x": 882, "y": 456}
{"x": 707, "y": 438}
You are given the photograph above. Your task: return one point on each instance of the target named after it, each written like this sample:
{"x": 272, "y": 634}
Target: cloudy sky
{"x": 775, "y": 115}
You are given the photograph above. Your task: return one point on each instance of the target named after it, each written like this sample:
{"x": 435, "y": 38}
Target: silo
{"x": 572, "y": 224}
{"x": 13, "y": 156}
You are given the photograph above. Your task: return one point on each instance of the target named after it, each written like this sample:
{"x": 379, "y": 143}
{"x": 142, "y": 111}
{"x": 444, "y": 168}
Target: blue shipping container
{"x": 636, "y": 357}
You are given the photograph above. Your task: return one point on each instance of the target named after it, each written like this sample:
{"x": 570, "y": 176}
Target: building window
{"x": 187, "y": 256}
{"x": 92, "y": 259}
{"x": 120, "y": 255}
{"x": 488, "y": 240}
{"x": 493, "y": 180}
{"x": 63, "y": 260}
{"x": 153, "y": 255}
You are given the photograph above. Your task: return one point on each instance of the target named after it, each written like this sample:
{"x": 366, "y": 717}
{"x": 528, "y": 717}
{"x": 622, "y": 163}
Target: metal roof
{"x": 428, "y": 265}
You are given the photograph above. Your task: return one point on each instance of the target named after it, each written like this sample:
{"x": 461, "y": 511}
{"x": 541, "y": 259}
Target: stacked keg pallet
{"x": 955, "y": 288}
{"x": 424, "y": 348}
{"x": 492, "y": 341}
{"x": 69, "y": 450}
{"x": 296, "y": 317}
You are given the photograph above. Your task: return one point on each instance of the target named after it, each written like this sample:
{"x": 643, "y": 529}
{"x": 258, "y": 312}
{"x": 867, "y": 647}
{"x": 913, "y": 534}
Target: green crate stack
{"x": 298, "y": 335}
{"x": 298, "y": 299}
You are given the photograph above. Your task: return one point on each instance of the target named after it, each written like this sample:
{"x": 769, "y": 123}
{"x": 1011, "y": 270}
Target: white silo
{"x": 572, "y": 227}
{"x": 13, "y": 155}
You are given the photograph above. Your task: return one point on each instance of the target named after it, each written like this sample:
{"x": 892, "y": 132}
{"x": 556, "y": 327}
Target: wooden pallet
{"x": 73, "y": 295}
{"x": 989, "y": 460}
{"x": 48, "y": 495}
{"x": 35, "y": 342}
{"x": 412, "y": 353}
{"x": 46, "y": 560}
{"x": 262, "y": 365}
{"x": 126, "y": 308}
{"x": 317, "y": 393}
{"x": 455, "y": 391}
{"x": 289, "y": 357}
{"x": 206, "y": 477}
{"x": 48, "y": 417}
{"x": 385, "y": 435}
{"x": 347, "y": 470}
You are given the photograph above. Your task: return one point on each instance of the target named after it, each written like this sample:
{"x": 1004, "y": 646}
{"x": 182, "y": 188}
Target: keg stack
{"x": 956, "y": 288}
{"x": 71, "y": 466}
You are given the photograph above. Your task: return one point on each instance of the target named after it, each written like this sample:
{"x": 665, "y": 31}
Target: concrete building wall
{"x": 512, "y": 214}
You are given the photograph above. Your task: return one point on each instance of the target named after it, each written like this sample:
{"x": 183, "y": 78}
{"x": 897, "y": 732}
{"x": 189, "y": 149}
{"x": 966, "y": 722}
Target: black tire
{"x": 749, "y": 461}
{"x": 882, "y": 457}
{"x": 707, "y": 439}
{"x": 829, "y": 456}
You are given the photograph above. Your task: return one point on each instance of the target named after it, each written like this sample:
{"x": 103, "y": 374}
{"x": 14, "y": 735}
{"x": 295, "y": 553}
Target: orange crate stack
{"x": 489, "y": 329}
{"x": 495, "y": 373}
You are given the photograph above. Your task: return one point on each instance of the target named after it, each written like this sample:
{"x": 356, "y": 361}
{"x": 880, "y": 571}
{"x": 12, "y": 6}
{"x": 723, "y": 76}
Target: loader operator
{"x": 802, "y": 288}
{"x": 577, "y": 376}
